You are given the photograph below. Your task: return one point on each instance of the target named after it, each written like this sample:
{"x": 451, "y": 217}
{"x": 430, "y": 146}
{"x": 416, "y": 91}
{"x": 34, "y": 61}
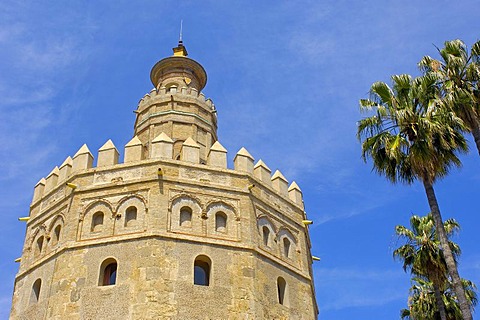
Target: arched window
{"x": 201, "y": 271}
{"x": 220, "y": 222}
{"x": 185, "y": 217}
{"x": 266, "y": 236}
{"x": 39, "y": 247}
{"x": 37, "y": 285}
{"x": 108, "y": 273}
{"x": 56, "y": 234}
{"x": 97, "y": 221}
{"x": 130, "y": 216}
{"x": 286, "y": 247}
{"x": 282, "y": 289}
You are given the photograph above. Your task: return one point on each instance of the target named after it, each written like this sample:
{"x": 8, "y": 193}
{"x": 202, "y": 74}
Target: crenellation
{"x": 295, "y": 194}
{"x": 262, "y": 172}
{"x": 217, "y": 156}
{"x": 201, "y": 97}
{"x": 133, "y": 150}
{"x": 243, "y": 161}
{"x": 38, "y": 190}
{"x": 190, "y": 151}
{"x": 162, "y": 91}
{"x": 209, "y": 103}
{"x": 52, "y": 180}
{"x": 107, "y": 155}
{"x": 65, "y": 169}
{"x": 194, "y": 92}
{"x": 83, "y": 159}
{"x": 162, "y": 147}
{"x": 280, "y": 183}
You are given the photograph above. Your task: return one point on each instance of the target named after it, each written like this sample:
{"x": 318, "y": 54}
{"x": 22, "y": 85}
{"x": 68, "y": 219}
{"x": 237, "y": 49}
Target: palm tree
{"x": 409, "y": 137}
{"x": 421, "y": 302}
{"x": 459, "y": 74}
{"x": 421, "y": 253}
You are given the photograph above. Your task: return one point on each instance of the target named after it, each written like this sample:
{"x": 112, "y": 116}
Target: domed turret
{"x": 178, "y": 70}
{"x": 176, "y": 105}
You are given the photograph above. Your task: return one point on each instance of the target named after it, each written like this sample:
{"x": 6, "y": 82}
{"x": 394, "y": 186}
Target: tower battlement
{"x": 162, "y": 95}
{"x": 107, "y": 165}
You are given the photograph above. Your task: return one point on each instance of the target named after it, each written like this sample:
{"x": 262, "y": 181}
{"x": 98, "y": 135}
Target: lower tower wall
{"x": 250, "y": 235}
{"x": 155, "y": 281}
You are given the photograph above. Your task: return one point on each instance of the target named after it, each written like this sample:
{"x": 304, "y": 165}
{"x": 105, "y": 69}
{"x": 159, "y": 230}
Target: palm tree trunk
{"x": 447, "y": 252}
{"x": 440, "y": 304}
{"x": 476, "y": 133}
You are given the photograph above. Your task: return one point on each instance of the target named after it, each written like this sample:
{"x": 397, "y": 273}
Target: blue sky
{"x": 286, "y": 77}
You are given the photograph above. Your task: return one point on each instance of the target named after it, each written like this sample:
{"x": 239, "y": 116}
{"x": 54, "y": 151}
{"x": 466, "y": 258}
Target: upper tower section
{"x": 176, "y": 106}
{"x": 178, "y": 70}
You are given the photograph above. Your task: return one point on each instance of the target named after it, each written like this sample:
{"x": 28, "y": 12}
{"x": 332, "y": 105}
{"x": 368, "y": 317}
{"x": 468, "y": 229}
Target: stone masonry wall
{"x": 155, "y": 252}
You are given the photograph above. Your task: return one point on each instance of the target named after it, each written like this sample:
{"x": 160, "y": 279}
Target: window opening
{"x": 108, "y": 275}
{"x": 266, "y": 235}
{"x": 37, "y": 285}
{"x": 201, "y": 271}
{"x": 286, "y": 247}
{"x": 281, "y": 287}
{"x": 185, "y": 217}
{"x": 39, "y": 245}
{"x": 56, "y": 234}
{"x": 220, "y": 222}
{"x": 130, "y": 216}
{"x": 97, "y": 221}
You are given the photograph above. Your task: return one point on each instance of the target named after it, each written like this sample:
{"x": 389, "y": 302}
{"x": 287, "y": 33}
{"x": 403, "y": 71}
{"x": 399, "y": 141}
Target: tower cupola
{"x": 178, "y": 69}
{"x": 176, "y": 105}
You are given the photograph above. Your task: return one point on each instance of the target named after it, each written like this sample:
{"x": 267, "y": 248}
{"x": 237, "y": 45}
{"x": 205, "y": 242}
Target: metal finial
{"x": 181, "y": 30}
{"x": 180, "y": 50}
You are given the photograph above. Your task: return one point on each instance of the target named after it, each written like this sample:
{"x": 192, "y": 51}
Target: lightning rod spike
{"x": 181, "y": 31}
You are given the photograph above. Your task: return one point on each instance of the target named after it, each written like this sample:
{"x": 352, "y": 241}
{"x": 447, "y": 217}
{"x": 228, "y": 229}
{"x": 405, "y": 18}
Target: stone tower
{"x": 170, "y": 233}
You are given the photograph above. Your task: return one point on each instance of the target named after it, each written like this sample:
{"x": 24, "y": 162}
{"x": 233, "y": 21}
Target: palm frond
{"x": 476, "y": 52}
{"x": 381, "y": 93}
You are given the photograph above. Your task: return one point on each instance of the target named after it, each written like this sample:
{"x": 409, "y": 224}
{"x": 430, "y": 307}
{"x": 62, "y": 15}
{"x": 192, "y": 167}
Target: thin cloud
{"x": 48, "y": 54}
{"x": 5, "y": 303}
{"x": 335, "y": 274}
{"x": 21, "y": 94}
{"x": 37, "y": 65}
{"x": 339, "y": 215}
{"x": 9, "y": 32}
{"x": 361, "y": 300}
{"x": 368, "y": 287}
{"x": 313, "y": 47}
{"x": 471, "y": 263}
